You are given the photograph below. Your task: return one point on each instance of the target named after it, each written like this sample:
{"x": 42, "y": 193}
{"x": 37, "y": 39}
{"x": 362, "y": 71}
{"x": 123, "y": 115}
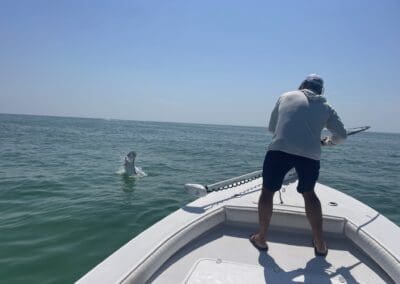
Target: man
{"x": 296, "y": 123}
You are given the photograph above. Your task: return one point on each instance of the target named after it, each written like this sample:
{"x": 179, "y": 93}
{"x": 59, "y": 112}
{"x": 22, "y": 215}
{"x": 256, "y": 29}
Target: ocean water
{"x": 65, "y": 205}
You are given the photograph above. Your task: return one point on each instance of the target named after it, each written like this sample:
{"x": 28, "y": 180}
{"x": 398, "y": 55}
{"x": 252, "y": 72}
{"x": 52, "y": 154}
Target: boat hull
{"x": 364, "y": 232}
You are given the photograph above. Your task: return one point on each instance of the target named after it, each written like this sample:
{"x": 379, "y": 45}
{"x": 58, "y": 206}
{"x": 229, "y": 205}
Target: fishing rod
{"x": 200, "y": 190}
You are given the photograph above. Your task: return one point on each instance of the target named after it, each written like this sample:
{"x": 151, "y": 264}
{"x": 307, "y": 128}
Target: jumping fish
{"x": 129, "y": 164}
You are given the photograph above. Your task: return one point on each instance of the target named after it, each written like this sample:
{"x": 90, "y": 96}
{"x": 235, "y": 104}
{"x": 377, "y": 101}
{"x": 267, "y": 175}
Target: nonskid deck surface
{"x": 225, "y": 253}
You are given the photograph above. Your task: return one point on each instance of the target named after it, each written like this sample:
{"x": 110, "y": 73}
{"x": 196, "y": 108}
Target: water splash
{"x": 139, "y": 172}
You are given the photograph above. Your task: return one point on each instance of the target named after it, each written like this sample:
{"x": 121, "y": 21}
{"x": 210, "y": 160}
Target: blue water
{"x": 65, "y": 206}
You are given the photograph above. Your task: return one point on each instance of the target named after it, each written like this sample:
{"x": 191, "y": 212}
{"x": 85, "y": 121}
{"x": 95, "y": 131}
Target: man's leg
{"x": 308, "y": 173}
{"x": 314, "y": 215}
{"x": 276, "y": 165}
{"x": 265, "y": 205}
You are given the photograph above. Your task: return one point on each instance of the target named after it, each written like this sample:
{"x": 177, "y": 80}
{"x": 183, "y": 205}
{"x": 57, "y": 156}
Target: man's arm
{"x": 336, "y": 127}
{"x": 274, "y": 117}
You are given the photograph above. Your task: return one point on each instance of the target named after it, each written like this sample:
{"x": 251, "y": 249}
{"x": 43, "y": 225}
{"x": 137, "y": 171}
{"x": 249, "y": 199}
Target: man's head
{"x": 314, "y": 83}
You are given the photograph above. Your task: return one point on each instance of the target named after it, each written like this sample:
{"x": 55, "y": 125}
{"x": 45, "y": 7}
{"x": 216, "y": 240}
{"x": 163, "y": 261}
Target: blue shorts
{"x": 277, "y": 164}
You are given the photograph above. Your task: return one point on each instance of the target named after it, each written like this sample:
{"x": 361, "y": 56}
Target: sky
{"x": 198, "y": 61}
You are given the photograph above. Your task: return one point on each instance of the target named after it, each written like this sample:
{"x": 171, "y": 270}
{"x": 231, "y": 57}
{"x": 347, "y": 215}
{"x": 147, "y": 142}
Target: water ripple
{"x": 60, "y": 196}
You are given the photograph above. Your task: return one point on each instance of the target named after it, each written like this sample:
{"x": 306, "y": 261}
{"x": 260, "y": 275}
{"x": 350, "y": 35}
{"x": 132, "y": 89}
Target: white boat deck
{"x": 207, "y": 242}
{"x": 225, "y": 255}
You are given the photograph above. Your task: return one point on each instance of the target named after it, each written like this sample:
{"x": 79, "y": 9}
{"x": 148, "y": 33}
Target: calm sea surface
{"x": 64, "y": 207}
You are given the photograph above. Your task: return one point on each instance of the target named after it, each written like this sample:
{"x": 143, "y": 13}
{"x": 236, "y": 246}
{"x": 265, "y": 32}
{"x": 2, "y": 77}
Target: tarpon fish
{"x": 129, "y": 164}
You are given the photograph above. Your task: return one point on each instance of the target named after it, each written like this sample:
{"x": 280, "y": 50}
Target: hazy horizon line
{"x": 156, "y": 121}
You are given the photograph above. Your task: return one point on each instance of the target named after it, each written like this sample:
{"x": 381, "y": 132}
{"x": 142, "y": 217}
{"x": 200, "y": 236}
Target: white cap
{"x": 315, "y": 79}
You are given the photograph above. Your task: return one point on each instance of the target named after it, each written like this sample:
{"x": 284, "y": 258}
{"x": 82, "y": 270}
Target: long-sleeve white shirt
{"x": 297, "y": 121}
